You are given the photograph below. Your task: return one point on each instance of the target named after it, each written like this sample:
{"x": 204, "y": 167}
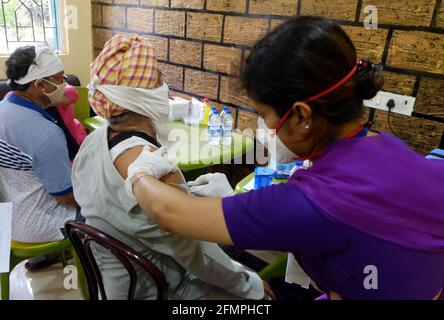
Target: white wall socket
{"x": 403, "y": 104}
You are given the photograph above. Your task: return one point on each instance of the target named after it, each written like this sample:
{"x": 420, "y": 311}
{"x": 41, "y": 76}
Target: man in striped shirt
{"x": 35, "y": 169}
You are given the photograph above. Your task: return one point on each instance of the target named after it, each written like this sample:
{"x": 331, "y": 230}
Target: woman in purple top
{"x": 368, "y": 207}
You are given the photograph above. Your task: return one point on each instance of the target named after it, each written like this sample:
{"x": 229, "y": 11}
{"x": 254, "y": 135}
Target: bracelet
{"x": 138, "y": 177}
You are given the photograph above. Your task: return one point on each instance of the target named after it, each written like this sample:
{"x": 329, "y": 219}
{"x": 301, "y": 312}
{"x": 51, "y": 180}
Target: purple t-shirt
{"x": 282, "y": 218}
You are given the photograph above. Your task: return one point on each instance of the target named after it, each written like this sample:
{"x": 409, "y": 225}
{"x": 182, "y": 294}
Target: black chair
{"x": 83, "y": 236}
{"x": 4, "y": 89}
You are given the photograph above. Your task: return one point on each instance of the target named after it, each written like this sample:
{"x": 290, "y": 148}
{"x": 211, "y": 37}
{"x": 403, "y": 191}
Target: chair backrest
{"x": 82, "y": 236}
{"x": 4, "y": 89}
{"x": 82, "y": 109}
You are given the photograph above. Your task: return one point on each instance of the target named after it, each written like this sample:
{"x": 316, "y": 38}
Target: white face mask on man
{"x": 270, "y": 140}
{"x": 58, "y": 95}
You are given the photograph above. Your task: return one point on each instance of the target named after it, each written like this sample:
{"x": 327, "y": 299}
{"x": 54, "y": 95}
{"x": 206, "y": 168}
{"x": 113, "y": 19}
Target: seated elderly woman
{"x": 127, "y": 90}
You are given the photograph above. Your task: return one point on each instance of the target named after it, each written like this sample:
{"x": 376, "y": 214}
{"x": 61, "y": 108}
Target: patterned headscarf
{"x": 124, "y": 61}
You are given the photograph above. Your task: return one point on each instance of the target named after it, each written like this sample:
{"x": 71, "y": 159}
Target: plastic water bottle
{"x": 214, "y": 128}
{"x": 227, "y": 128}
{"x": 223, "y": 113}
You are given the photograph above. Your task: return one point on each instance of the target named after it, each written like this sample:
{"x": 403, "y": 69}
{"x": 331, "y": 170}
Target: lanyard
{"x": 30, "y": 105}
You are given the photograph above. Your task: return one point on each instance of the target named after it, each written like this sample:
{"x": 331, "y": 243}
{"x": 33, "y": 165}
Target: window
{"x": 30, "y": 22}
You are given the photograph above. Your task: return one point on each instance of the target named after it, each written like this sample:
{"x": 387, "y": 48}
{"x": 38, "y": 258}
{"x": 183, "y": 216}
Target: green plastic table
{"x": 278, "y": 267}
{"x": 192, "y": 155}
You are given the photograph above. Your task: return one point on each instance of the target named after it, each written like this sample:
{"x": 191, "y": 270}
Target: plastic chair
{"x": 276, "y": 269}
{"x": 82, "y": 109}
{"x": 94, "y": 123}
{"x": 83, "y": 236}
{"x": 22, "y": 251}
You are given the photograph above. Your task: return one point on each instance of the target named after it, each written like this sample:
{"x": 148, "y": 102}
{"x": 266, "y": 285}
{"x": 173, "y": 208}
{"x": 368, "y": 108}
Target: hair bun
{"x": 370, "y": 80}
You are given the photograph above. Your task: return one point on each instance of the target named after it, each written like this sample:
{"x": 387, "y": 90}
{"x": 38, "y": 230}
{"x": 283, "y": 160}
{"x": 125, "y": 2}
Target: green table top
{"x": 192, "y": 148}
{"x": 240, "y": 187}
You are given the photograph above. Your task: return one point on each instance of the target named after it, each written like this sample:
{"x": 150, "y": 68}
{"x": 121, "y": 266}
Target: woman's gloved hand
{"x": 211, "y": 186}
{"x": 155, "y": 164}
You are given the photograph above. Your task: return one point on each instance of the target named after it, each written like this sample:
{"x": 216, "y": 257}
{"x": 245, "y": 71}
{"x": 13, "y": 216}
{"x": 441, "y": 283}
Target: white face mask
{"x": 58, "y": 95}
{"x": 270, "y": 140}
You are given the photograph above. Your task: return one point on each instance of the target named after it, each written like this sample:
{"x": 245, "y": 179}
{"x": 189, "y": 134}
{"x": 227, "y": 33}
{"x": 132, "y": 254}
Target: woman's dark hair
{"x": 17, "y": 66}
{"x": 302, "y": 58}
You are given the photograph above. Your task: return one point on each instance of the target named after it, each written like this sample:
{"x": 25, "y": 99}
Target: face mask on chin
{"x": 58, "y": 95}
{"x": 277, "y": 149}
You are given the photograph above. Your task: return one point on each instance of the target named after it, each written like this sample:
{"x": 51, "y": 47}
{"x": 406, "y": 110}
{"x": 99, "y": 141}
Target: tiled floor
{"x": 43, "y": 285}
{"x": 48, "y": 284}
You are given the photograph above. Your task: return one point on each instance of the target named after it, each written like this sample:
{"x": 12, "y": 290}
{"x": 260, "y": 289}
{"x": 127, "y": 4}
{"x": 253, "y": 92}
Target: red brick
{"x": 172, "y": 75}
{"x": 275, "y": 7}
{"x": 222, "y": 59}
{"x": 333, "y": 9}
{"x": 244, "y": 31}
{"x": 417, "y": 50}
{"x": 189, "y": 4}
{"x": 204, "y": 26}
{"x": 402, "y": 12}
{"x": 239, "y": 6}
{"x": 140, "y": 19}
{"x": 185, "y": 52}
{"x": 370, "y": 44}
{"x": 201, "y": 83}
{"x": 170, "y": 22}
{"x": 113, "y": 17}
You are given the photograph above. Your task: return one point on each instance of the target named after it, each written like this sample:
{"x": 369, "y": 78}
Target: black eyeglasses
{"x": 64, "y": 78}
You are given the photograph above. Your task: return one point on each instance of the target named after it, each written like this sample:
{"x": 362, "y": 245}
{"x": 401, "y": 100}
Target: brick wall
{"x": 201, "y": 45}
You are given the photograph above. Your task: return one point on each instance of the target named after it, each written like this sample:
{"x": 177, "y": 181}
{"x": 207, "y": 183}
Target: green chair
{"x": 23, "y": 251}
{"x": 82, "y": 109}
{"x": 276, "y": 269}
{"x": 94, "y": 123}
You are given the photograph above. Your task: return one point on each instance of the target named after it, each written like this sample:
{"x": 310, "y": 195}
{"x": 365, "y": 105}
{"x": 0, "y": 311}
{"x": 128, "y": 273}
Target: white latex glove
{"x": 155, "y": 164}
{"x": 211, "y": 186}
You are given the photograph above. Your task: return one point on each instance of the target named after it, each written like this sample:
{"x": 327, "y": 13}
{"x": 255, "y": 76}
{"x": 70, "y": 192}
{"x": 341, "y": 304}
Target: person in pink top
{"x": 63, "y": 113}
{"x": 66, "y": 112}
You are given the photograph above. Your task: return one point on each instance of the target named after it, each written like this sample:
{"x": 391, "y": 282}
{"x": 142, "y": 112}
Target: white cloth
{"x": 47, "y": 63}
{"x": 295, "y": 273}
{"x": 152, "y": 103}
{"x": 130, "y": 143}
